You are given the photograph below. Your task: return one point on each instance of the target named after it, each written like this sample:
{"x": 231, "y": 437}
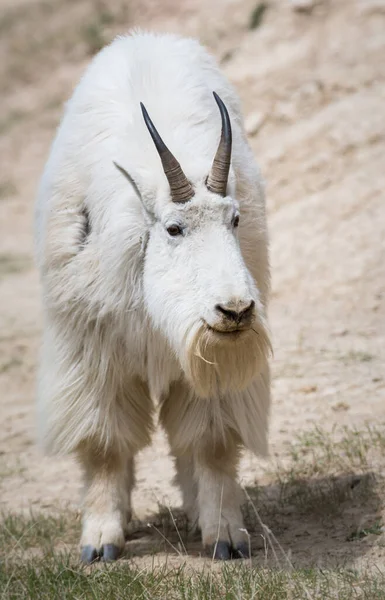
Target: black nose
{"x": 242, "y": 314}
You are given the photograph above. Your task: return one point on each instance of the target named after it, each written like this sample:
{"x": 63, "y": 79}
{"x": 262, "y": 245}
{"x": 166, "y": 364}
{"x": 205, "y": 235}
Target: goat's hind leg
{"x": 104, "y": 505}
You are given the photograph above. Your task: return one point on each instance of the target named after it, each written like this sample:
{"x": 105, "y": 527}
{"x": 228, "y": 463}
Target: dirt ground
{"x": 312, "y": 84}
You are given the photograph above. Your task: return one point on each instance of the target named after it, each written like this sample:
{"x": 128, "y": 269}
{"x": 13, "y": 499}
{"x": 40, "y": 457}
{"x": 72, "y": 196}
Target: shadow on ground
{"x": 325, "y": 521}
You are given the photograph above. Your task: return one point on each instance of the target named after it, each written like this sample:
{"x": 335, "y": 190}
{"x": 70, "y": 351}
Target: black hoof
{"x": 242, "y": 550}
{"x": 110, "y": 552}
{"x": 89, "y": 554}
{"x": 221, "y": 551}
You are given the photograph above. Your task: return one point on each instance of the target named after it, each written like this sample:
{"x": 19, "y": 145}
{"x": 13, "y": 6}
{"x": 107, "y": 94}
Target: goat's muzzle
{"x": 233, "y": 317}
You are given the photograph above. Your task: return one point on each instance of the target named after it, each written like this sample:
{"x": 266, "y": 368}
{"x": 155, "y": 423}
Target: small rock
{"x": 341, "y": 332}
{"x": 254, "y": 122}
{"x": 303, "y": 5}
{"x": 308, "y": 389}
{"x": 340, "y": 406}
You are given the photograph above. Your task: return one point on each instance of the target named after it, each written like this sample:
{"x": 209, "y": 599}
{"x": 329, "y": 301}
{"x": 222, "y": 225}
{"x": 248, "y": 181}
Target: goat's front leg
{"x": 219, "y": 502}
{"x": 105, "y": 505}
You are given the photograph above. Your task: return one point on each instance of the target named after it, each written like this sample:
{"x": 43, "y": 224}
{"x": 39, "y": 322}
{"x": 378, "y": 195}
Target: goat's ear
{"x": 130, "y": 179}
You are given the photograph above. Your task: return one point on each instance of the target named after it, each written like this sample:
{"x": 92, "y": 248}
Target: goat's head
{"x": 198, "y": 290}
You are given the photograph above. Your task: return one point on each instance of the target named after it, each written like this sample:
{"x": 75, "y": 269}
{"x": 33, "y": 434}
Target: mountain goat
{"x": 152, "y": 246}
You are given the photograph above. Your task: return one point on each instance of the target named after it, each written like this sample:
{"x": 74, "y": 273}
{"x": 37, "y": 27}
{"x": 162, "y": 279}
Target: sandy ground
{"x": 313, "y": 90}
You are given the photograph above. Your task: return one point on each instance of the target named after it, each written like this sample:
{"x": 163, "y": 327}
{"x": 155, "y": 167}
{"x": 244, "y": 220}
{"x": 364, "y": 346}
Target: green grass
{"x": 325, "y": 474}
{"x": 360, "y": 533}
{"x": 257, "y": 15}
{"x": 60, "y": 577}
{"x": 19, "y": 533}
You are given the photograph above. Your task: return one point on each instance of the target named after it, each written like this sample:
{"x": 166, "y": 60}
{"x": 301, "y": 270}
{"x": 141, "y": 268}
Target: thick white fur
{"x": 123, "y": 309}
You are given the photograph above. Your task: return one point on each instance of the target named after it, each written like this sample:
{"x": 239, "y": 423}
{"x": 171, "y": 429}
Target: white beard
{"x": 216, "y": 363}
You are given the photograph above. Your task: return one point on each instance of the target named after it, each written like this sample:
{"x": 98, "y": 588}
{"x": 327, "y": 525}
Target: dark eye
{"x": 174, "y": 230}
{"x": 236, "y": 221}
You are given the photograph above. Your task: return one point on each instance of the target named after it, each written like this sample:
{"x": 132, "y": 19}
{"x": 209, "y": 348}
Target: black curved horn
{"x": 218, "y": 176}
{"x": 181, "y": 188}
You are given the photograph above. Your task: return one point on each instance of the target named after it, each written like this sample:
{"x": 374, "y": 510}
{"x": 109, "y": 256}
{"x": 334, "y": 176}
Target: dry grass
{"x": 342, "y": 450}
{"x": 19, "y": 533}
{"x": 327, "y": 470}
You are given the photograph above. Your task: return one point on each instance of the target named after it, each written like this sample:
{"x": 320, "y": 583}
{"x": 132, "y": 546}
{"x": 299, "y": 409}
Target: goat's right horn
{"x": 217, "y": 179}
{"x": 180, "y": 187}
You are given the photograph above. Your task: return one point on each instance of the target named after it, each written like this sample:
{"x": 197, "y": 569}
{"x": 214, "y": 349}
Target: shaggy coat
{"x": 131, "y": 318}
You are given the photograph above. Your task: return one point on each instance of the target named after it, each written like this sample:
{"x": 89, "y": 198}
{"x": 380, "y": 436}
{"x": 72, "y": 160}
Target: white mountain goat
{"x": 153, "y": 255}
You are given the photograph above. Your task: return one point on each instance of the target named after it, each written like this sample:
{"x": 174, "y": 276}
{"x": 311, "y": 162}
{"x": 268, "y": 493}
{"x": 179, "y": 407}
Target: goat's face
{"x": 200, "y": 294}
{"x": 197, "y": 288}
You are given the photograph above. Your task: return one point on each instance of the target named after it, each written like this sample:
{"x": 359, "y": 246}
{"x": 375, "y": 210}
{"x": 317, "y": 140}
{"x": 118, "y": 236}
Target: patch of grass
{"x": 343, "y": 450}
{"x": 19, "y": 533}
{"x": 106, "y": 17}
{"x": 13, "y": 263}
{"x": 11, "y": 363}
{"x": 357, "y": 356}
{"x": 323, "y": 471}
{"x": 93, "y": 33}
{"x": 59, "y": 576}
{"x": 7, "y": 470}
{"x": 50, "y": 32}
{"x": 227, "y": 56}
{"x": 12, "y": 118}
{"x": 358, "y": 534}
{"x": 93, "y": 37}
{"x": 326, "y": 498}
{"x": 327, "y": 469}
{"x": 10, "y": 17}
{"x": 257, "y": 15}
{"x": 7, "y": 188}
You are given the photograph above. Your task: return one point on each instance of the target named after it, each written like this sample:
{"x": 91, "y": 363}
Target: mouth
{"x": 233, "y": 333}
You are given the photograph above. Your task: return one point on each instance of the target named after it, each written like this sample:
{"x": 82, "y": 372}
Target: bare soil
{"x": 312, "y": 85}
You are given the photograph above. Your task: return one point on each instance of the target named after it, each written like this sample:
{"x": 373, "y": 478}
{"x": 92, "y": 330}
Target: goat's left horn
{"x": 217, "y": 179}
{"x": 181, "y": 188}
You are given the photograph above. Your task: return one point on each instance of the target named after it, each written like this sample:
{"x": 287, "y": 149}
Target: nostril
{"x": 236, "y": 315}
{"x": 232, "y": 315}
{"x": 248, "y": 310}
